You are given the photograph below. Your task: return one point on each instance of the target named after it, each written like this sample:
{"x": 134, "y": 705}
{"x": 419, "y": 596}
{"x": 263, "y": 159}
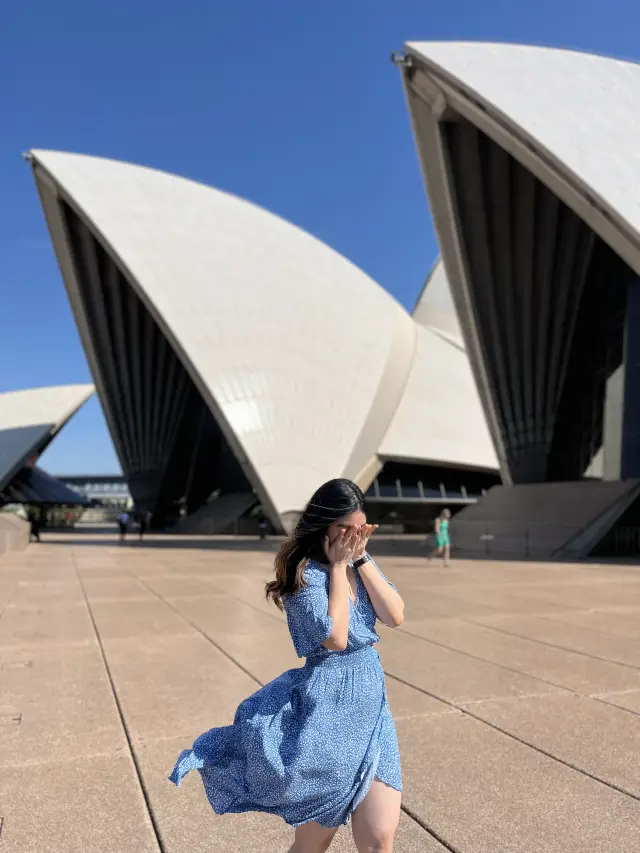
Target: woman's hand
{"x": 342, "y": 548}
{"x": 364, "y": 534}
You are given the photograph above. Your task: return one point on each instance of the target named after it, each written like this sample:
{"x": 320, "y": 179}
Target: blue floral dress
{"x": 308, "y": 745}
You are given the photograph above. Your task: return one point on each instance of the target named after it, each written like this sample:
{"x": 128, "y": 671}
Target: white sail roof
{"x": 29, "y": 419}
{"x": 579, "y": 109}
{"x": 302, "y": 358}
{"x": 440, "y": 413}
{"x": 435, "y": 308}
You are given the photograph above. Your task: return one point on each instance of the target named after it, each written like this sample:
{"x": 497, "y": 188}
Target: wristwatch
{"x": 361, "y": 561}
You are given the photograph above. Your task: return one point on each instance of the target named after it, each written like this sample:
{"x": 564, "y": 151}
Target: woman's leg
{"x": 375, "y": 821}
{"x": 447, "y": 554}
{"x": 312, "y": 838}
{"x": 437, "y": 552}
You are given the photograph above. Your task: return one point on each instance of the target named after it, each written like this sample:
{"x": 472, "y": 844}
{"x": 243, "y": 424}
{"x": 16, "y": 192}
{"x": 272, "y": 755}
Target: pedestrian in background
{"x": 34, "y": 521}
{"x": 263, "y": 526}
{"x": 443, "y": 540}
{"x": 123, "y": 524}
{"x": 144, "y": 520}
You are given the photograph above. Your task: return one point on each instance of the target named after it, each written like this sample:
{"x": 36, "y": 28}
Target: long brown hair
{"x": 332, "y": 501}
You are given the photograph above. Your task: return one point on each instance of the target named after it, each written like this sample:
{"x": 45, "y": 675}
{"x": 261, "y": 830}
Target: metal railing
{"x": 526, "y": 542}
{"x": 623, "y": 541}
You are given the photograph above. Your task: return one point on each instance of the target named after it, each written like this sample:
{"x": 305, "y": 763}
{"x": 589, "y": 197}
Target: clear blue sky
{"x": 290, "y": 103}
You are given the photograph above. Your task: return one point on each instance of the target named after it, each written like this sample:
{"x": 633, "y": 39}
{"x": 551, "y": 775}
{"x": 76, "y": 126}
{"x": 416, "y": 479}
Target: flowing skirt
{"x": 307, "y": 746}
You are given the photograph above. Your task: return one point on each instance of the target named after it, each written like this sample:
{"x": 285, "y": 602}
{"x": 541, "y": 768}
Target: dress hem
{"x": 346, "y": 821}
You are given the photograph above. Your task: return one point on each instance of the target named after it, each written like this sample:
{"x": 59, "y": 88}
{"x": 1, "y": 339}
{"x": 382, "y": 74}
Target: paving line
{"x": 548, "y": 642}
{"x": 595, "y": 696}
{"x": 431, "y": 831}
{"x": 602, "y": 701}
{"x": 465, "y": 710}
{"x": 562, "y": 687}
{"x": 503, "y": 666}
{"x": 204, "y": 634}
{"x": 624, "y": 611}
{"x": 143, "y": 788}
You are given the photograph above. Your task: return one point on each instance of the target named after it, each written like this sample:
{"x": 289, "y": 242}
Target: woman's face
{"x": 346, "y": 523}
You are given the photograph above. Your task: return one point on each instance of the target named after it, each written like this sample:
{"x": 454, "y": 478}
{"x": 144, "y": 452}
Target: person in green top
{"x": 443, "y": 541}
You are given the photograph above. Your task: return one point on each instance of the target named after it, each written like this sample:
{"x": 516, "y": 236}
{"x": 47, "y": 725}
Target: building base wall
{"x": 14, "y": 533}
{"x": 542, "y": 521}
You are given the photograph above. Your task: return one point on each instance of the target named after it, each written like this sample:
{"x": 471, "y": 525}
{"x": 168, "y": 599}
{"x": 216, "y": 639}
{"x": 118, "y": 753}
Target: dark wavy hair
{"x": 332, "y": 501}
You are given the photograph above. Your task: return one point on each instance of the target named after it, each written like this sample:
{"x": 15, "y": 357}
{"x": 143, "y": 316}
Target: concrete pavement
{"x": 515, "y": 687}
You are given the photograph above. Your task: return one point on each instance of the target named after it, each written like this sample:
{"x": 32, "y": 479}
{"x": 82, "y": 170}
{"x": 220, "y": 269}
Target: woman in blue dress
{"x": 318, "y": 745}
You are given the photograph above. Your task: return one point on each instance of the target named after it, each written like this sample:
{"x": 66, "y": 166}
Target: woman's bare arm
{"x": 339, "y": 553}
{"x": 387, "y": 602}
{"x": 339, "y": 610}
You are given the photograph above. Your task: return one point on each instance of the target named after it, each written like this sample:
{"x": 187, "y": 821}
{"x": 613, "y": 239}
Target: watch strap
{"x": 361, "y": 561}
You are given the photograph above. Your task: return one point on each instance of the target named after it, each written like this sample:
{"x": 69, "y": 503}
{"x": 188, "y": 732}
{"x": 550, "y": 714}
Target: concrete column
{"x": 612, "y": 427}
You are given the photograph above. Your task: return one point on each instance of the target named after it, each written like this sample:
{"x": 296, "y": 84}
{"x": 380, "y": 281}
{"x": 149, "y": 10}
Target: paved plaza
{"x": 515, "y": 688}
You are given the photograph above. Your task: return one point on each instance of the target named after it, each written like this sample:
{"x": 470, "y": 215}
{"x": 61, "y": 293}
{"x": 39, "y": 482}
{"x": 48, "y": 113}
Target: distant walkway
{"x": 516, "y": 690}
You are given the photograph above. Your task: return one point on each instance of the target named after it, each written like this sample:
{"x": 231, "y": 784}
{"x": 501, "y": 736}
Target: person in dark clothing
{"x": 123, "y": 524}
{"x": 34, "y": 521}
{"x": 144, "y": 520}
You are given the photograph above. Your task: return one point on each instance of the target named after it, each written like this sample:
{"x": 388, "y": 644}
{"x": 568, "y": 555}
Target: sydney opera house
{"x": 219, "y": 342}
{"x": 216, "y": 334}
{"x": 29, "y": 421}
